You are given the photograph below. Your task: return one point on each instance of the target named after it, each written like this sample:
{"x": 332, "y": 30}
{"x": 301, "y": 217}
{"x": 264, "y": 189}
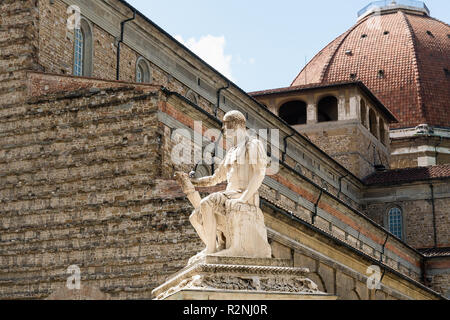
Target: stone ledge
{"x": 232, "y": 295}
{"x": 269, "y": 262}
{"x": 213, "y": 277}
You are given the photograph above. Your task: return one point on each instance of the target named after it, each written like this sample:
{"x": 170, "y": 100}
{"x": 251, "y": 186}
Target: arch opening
{"x": 373, "y": 123}
{"x": 327, "y": 109}
{"x": 294, "y": 112}
{"x": 363, "y": 113}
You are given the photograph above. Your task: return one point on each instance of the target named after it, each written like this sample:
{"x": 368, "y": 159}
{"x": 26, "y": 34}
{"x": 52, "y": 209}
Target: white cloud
{"x": 212, "y": 50}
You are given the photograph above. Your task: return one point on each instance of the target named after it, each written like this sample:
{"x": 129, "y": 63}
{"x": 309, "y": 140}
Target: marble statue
{"x": 230, "y": 223}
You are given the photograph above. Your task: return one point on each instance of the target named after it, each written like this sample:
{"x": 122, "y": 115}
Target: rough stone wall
{"x": 56, "y": 43}
{"x": 438, "y": 274}
{"x": 350, "y": 147}
{"x": 419, "y": 151}
{"x": 104, "y": 65}
{"x": 79, "y": 186}
{"x": 18, "y": 48}
{"x": 404, "y": 161}
{"x": 443, "y": 222}
{"x": 85, "y": 182}
{"x": 346, "y": 280}
{"x": 332, "y": 217}
{"x": 56, "y": 48}
{"x": 418, "y": 220}
{"x": 440, "y": 283}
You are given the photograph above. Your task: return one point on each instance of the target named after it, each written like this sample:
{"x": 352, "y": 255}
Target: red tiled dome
{"x": 402, "y": 56}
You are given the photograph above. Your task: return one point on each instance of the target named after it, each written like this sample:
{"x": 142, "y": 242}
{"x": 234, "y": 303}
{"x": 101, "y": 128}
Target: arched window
{"x": 382, "y": 132}
{"x": 139, "y": 74}
{"x": 142, "y": 71}
{"x": 79, "y": 53}
{"x": 327, "y": 109}
{"x": 363, "y": 113}
{"x": 202, "y": 171}
{"x": 293, "y": 112}
{"x": 82, "y": 60}
{"x": 395, "y": 222}
{"x": 373, "y": 123}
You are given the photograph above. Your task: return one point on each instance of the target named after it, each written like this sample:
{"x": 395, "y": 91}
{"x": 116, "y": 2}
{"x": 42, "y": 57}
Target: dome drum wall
{"x": 341, "y": 119}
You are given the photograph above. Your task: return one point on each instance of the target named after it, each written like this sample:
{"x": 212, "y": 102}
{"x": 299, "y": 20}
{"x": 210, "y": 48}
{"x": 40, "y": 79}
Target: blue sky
{"x": 260, "y": 44}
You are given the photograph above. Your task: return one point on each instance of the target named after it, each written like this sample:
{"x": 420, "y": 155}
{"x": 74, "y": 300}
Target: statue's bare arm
{"x": 218, "y": 177}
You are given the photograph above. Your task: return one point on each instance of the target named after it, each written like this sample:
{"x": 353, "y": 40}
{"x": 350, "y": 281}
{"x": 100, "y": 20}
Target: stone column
{"x": 311, "y": 111}
{"x": 341, "y": 108}
{"x": 368, "y": 107}
{"x": 272, "y": 106}
{"x": 355, "y": 109}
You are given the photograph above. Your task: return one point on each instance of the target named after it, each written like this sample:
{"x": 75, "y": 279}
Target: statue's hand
{"x": 184, "y": 181}
{"x": 195, "y": 182}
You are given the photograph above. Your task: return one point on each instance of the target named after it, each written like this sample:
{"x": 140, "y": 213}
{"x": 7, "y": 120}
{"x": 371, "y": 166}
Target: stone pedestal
{"x": 224, "y": 278}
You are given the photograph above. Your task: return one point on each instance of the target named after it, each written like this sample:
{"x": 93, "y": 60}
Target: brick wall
{"x": 438, "y": 274}
{"x": 418, "y": 219}
{"x": 351, "y": 148}
{"x": 87, "y": 180}
{"x": 80, "y": 186}
{"x": 85, "y": 176}
{"x": 18, "y": 47}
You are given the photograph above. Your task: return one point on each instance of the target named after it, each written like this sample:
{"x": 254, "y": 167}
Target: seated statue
{"x": 230, "y": 223}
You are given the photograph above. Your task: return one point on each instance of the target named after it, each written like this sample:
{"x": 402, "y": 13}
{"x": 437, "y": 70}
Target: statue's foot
{"x": 198, "y": 257}
{"x": 224, "y": 253}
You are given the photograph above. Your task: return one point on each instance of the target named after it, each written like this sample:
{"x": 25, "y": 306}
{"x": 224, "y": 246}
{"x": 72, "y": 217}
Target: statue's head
{"x": 234, "y": 126}
{"x": 234, "y": 119}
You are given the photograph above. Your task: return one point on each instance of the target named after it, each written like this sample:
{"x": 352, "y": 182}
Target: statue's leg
{"x": 209, "y": 226}
{"x": 197, "y": 224}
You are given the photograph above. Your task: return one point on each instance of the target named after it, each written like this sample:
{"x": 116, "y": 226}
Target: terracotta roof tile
{"x": 404, "y": 68}
{"x": 436, "y": 252}
{"x": 300, "y": 87}
{"x": 399, "y": 176}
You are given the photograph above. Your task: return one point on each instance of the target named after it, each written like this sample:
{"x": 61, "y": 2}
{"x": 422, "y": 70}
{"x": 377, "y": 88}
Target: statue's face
{"x": 232, "y": 130}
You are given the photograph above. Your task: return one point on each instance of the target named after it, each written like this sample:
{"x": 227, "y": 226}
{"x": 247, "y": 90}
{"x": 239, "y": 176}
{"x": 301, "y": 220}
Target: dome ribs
{"x": 432, "y": 47}
{"x": 412, "y": 39}
{"x": 338, "y": 46}
{"x": 313, "y": 67}
{"x": 398, "y": 60}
